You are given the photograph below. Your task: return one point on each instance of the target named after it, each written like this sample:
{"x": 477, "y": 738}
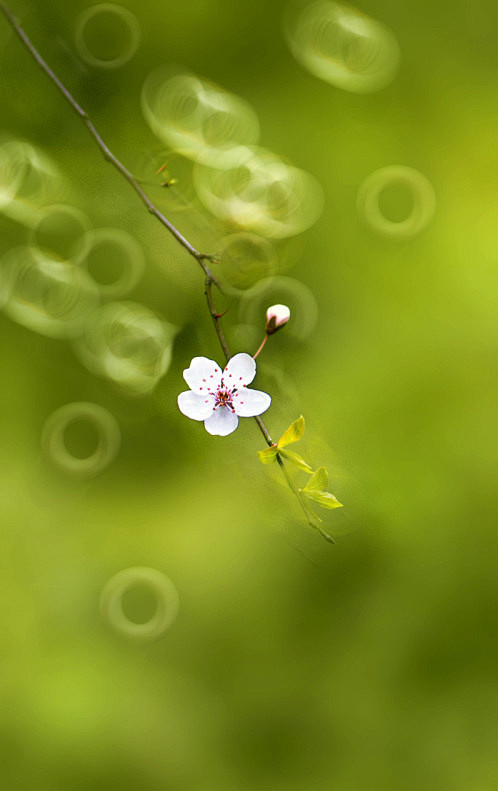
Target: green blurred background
{"x": 293, "y": 664}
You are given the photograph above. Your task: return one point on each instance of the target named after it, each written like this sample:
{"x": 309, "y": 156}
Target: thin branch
{"x": 216, "y": 318}
{"x": 313, "y": 522}
{"x": 201, "y": 258}
{"x": 264, "y": 430}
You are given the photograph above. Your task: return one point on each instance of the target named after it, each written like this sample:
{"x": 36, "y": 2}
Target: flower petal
{"x": 248, "y": 403}
{"x": 239, "y": 370}
{"x": 203, "y": 375}
{"x": 194, "y": 406}
{"x": 221, "y": 422}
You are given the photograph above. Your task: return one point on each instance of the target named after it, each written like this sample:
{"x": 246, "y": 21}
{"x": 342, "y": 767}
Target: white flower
{"x": 219, "y": 397}
{"x": 276, "y": 317}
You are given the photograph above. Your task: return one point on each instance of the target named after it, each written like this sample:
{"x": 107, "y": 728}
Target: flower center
{"x": 224, "y": 397}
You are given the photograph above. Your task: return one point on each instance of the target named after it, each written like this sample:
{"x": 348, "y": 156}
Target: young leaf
{"x": 293, "y": 433}
{"x": 318, "y": 481}
{"x": 315, "y": 490}
{"x": 268, "y": 455}
{"x": 295, "y": 458}
{"x": 325, "y": 499}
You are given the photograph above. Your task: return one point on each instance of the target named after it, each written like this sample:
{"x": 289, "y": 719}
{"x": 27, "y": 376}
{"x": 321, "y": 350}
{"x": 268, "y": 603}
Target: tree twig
{"x": 216, "y": 318}
{"x": 201, "y": 258}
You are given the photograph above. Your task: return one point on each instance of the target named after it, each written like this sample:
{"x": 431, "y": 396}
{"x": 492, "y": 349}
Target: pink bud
{"x": 276, "y": 317}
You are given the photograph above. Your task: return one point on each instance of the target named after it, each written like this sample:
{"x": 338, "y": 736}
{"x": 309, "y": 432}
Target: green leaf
{"x": 268, "y": 455}
{"x": 315, "y": 490}
{"x": 293, "y": 433}
{"x": 318, "y": 481}
{"x": 295, "y": 458}
{"x": 325, "y": 499}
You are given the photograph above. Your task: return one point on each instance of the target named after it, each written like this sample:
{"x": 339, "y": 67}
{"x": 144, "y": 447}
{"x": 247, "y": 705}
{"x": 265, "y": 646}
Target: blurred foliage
{"x": 293, "y": 664}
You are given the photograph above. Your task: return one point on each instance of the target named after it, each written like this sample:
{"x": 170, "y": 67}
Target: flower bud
{"x": 276, "y": 317}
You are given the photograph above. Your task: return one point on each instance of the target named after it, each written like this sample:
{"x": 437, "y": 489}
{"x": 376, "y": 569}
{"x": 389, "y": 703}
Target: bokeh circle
{"x": 167, "y": 603}
{"x": 55, "y": 447}
{"x": 117, "y": 248}
{"x": 52, "y": 298}
{"x": 423, "y": 206}
{"x": 342, "y": 46}
{"x": 118, "y": 16}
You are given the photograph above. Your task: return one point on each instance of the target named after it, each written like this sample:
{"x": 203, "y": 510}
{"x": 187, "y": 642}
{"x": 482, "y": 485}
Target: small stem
{"x": 216, "y": 317}
{"x": 261, "y": 347}
{"x": 309, "y": 516}
{"x": 264, "y": 431}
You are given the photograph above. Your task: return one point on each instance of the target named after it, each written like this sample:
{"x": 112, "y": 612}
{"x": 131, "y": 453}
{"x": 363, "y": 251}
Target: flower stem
{"x": 261, "y": 347}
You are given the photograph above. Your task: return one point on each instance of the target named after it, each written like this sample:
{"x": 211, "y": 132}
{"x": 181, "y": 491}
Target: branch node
{"x": 213, "y": 259}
